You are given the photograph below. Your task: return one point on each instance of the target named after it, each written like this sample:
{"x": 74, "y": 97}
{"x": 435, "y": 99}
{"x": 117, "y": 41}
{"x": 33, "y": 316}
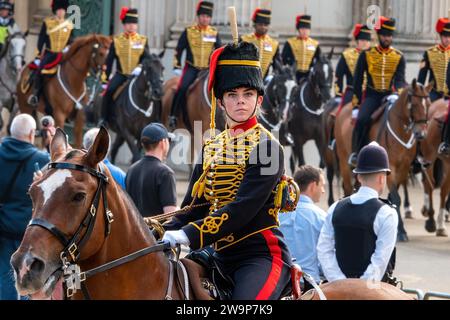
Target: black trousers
{"x": 187, "y": 78}
{"x": 49, "y": 61}
{"x": 301, "y": 75}
{"x": 371, "y": 102}
{"x": 434, "y": 95}
{"x": 107, "y": 110}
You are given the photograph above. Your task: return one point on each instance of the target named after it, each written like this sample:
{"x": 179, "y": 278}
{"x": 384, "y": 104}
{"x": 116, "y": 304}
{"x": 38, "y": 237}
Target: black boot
{"x": 444, "y": 147}
{"x": 104, "y": 115}
{"x": 33, "y": 99}
{"x": 353, "y": 159}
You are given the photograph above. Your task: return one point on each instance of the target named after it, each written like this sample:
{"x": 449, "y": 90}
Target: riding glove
{"x": 355, "y": 112}
{"x": 177, "y": 72}
{"x": 37, "y": 62}
{"x": 176, "y": 237}
{"x": 137, "y": 71}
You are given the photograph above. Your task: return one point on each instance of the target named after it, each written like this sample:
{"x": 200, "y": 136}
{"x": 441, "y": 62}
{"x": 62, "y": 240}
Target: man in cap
{"x": 302, "y": 51}
{"x": 199, "y": 41}
{"x": 53, "y": 41}
{"x": 358, "y": 237}
{"x": 268, "y": 47}
{"x": 8, "y": 26}
{"x": 236, "y": 181}
{"x": 435, "y": 61}
{"x": 384, "y": 67}
{"x": 151, "y": 183}
{"x": 128, "y": 49}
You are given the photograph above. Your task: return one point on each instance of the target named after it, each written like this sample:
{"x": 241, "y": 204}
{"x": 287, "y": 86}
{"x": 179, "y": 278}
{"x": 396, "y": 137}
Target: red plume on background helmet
{"x": 382, "y": 20}
{"x": 257, "y": 10}
{"x": 123, "y": 12}
{"x": 440, "y": 25}
{"x": 357, "y": 30}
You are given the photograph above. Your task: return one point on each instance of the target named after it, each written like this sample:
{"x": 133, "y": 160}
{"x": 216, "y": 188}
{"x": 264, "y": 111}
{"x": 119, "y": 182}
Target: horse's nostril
{"x": 35, "y": 265}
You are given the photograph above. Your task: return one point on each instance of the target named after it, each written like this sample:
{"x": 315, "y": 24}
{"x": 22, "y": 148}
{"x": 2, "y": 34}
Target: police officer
{"x": 128, "y": 49}
{"x": 435, "y": 61}
{"x": 268, "y": 47}
{"x": 347, "y": 63}
{"x": 199, "y": 41}
{"x": 236, "y": 182}
{"x": 8, "y": 25}
{"x": 53, "y": 41}
{"x": 301, "y": 50}
{"x": 385, "y": 70}
{"x": 359, "y": 234}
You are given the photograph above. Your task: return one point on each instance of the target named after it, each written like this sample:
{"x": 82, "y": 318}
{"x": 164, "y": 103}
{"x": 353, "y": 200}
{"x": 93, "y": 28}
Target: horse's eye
{"x": 80, "y": 196}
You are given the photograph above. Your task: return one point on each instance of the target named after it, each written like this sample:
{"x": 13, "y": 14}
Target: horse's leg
{"x": 445, "y": 188}
{"x": 428, "y": 209}
{"x": 129, "y": 138}
{"x": 116, "y": 146}
{"x": 78, "y": 127}
{"x": 330, "y": 176}
{"x": 407, "y": 205}
{"x": 394, "y": 197}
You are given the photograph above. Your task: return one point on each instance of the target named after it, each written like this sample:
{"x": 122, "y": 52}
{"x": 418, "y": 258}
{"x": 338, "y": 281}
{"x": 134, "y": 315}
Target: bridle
{"x": 74, "y": 279}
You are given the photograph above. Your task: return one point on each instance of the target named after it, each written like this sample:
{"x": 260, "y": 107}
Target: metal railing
{"x": 427, "y": 296}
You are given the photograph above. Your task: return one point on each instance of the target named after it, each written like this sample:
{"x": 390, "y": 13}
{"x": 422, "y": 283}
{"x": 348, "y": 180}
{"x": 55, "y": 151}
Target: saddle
{"x": 208, "y": 282}
{"x": 120, "y": 89}
{"x": 379, "y": 112}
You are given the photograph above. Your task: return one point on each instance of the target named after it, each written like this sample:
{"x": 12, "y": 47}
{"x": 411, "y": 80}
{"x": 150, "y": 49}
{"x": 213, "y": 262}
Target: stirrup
{"x": 172, "y": 123}
{"x": 353, "y": 159}
{"x": 444, "y": 149}
{"x": 332, "y": 144}
{"x": 33, "y": 100}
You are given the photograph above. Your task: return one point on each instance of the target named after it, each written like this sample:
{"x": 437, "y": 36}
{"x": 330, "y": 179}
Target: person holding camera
{"x": 19, "y": 158}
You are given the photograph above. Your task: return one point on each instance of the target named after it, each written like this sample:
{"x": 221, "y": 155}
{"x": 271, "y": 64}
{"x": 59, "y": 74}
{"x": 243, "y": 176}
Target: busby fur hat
{"x": 59, "y": 4}
{"x": 386, "y": 26}
{"x": 303, "y": 21}
{"x": 361, "y": 32}
{"x": 129, "y": 15}
{"x": 443, "y": 27}
{"x": 205, "y": 7}
{"x": 261, "y": 16}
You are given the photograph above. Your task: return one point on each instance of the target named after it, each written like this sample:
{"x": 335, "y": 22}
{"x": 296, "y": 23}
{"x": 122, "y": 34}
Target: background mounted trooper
{"x": 128, "y": 49}
{"x": 54, "y": 38}
{"x": 435, "y": 61}
{"x": 199, "y": 41}
{"x": 8, "y": 25}
{"x": 268, "y": 47}
{"x": 385, "y": 70}
{"x": 302, "y": 50}
{"x": 358, "y": 237}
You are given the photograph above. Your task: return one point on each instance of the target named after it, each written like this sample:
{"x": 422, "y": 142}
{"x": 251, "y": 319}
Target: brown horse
{"x": 198, "y": 109}
{"x": 433, "y": 177}
{"x": 85, "y": 54}
{"x": 397, "y": 131}
{"x": 80, "y": 215}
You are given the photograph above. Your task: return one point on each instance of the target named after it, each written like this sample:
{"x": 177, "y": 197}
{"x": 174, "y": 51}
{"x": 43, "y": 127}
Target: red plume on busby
{"x": 443, "y": 26}
{"x": 123, "y": 12}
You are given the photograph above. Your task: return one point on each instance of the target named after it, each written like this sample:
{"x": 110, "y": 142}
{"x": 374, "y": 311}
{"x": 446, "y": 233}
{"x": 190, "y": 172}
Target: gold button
{"x": 211, "y": 193}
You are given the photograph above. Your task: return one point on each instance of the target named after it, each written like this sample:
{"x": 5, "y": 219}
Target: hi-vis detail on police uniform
{"x": 267, "y": 46}
{"x": 202, "y": 43}
{"x": 232, "y": 165}
{"x": 382, "y": 67}
{"x": 438, "y": 60}
{"x": 59, "y": 37}
{"x": 129, "y": 50}
{"x": 304, "y": 51}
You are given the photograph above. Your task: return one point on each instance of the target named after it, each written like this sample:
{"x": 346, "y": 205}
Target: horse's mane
{"x": 79, "y": 43}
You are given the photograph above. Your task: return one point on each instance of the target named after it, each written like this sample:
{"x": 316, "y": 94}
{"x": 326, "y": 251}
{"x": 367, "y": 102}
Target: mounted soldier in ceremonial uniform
{"x": 199, "y": 41}
{"x": 236, "y": 192}
{"x": 302, "y": 50}
{"x": 385, "y": 70}
{"x": 269, "y": 48}
{"x": 128, "y": 49}
{"x": 347, "y": 63}
{"x": 54, "y": 39}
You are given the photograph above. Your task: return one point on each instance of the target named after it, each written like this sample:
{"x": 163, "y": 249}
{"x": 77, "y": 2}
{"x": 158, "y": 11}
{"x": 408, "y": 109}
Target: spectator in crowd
{"x": 301, "y": 228}
{"x": 151, "y": 183}
{"x": 116, "y": 172}
{"x": 19, "y": 158}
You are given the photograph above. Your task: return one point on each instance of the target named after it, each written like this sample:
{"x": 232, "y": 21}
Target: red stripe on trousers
{"x": 448, "y": 112}
{"x": 277, "y": 264}
{"x": 182, "y": 75}
{"x": 54, "y": 62}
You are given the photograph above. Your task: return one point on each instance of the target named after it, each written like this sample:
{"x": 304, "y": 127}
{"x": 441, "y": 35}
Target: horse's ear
{"x": 161, "y": 54}
{"x": 99, "y": 149}
{"x": 26, "y": 33}
{"x": 59, "y": 145}
{"x": 429, "y": 87}
{"x": 414, "y": 84}
{"x": 330, "y": 55}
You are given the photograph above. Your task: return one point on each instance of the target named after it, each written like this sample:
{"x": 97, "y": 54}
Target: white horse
{"x": 12, "y": 59}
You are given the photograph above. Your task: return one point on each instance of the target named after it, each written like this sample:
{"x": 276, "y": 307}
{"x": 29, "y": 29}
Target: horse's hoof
{"x": 425, "y": 212}
{"x": 408, "y": 214}
{"x": 441, "y": 233}
{"x": 447, "y": 218}
{"x": 430, "y": 225}
{"x": 402, "y": 237}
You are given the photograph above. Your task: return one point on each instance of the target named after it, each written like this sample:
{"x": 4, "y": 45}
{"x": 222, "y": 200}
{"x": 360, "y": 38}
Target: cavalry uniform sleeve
{"x": 287, "y": 55}
{"x": 358, "y": 78}
{"x": 340, "y": 73}
{"x": 256, "y": 187}
{"x": 277, "y": 62}
{"x": 110, "y": 60}
{"x": 42, "y": 39}
{"x": 218, "y": 43}
{"x": 424, "y": 69}
{"x": 181, "y": 46}
{"x": 399, "y": 76}
{"x": 183, "y": 219}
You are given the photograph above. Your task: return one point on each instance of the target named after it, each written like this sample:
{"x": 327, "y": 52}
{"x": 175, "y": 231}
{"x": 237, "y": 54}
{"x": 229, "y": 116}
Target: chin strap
{"x": 251, "y": 116}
